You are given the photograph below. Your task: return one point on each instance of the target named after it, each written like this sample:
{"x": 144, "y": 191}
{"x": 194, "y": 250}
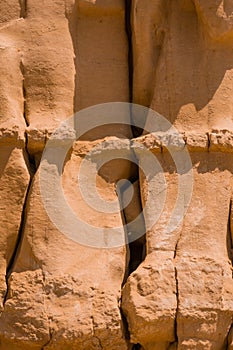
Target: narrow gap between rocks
{"x": 133, "y": 258}
{"x": 23, "y": 8}
{"x": 229, "y": 237}
{"x": 229, "y": 242}
{"x": 136, "y": 249}
{"x": 134, "y": 230}
{"x": 20, "y": 233}
{"x": 31, "y": 165}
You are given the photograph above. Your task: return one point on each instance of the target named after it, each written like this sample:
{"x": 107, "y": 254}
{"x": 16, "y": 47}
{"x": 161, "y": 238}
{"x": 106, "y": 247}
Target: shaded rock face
{"x": 169, "y": 288}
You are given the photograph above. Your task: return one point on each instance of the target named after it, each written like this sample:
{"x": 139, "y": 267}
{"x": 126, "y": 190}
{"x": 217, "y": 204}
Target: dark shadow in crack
{"x": 229, "y": 238}
{"x": 13, "y": 258}
{"x": 134, "y": 224}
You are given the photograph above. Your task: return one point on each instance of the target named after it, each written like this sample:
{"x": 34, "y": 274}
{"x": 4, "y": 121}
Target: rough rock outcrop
{"x": 168, "y": 283}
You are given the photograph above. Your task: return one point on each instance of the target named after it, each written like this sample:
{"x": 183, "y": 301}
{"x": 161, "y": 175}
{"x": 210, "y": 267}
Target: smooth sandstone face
{"x": 58, "y": 57}
{"x": 180, "y": 42}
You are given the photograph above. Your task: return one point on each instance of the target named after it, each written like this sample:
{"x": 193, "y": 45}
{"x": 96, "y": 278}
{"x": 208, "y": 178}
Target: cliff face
{"x": 170, "y": 286}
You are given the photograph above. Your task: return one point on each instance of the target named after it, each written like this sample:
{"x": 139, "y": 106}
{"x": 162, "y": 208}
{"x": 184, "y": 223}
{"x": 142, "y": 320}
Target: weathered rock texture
{"x": 166, "y": 290}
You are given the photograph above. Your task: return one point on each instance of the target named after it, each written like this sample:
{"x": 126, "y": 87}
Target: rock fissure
{"x": 30, "y": 162}
{"x": 229, "y": 236}
{"x": 135, "y": 253}
{"x": 134, "y": 224}
{"x": 229, "y": 342}
{"x": 23, "y": 8}
{"x": 18, "y": 241}
{"x": 136, "y": 249}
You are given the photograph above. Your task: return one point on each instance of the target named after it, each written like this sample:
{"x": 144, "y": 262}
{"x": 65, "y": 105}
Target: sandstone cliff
{"x": 163, "y": 281}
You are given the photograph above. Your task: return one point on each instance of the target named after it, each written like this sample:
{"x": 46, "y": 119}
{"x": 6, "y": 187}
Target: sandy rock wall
{"x": 165, "y": 290}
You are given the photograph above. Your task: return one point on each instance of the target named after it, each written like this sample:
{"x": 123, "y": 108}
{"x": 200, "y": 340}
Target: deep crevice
{"x": 229, "y": 237}
{"x": 31, "y": 165}
{"x": 18, "y": 241}
{"x": 23, "y": 8}
{"x": 136, "y": 249}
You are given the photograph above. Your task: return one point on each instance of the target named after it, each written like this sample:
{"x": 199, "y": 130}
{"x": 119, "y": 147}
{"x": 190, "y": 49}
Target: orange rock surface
{"x": 163, "y": 279}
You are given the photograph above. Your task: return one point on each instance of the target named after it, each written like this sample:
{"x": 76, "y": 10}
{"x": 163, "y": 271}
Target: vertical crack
{"x": 18, "y": 241}
{"x": 134, "y": 224}
{"x": 136, "y": 248}
{"x": 31, "y": 165}
{"x": 23, "y": 8}
{"x": 230, "y": 236}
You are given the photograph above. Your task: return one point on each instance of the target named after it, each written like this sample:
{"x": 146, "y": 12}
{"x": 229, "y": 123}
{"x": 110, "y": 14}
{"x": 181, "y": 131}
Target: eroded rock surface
{"x": 171, "y": 286}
